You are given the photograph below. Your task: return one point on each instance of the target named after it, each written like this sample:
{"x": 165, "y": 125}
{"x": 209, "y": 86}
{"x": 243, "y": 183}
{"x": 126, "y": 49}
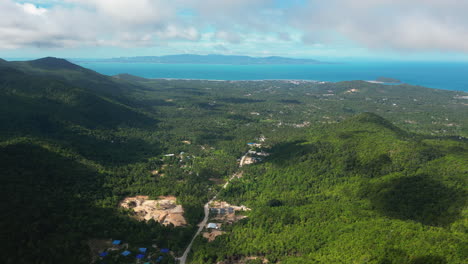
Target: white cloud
{"x": 32, "y": 9}
{"x": 412, "y": 25}
{"x": 174, "y": 32}
{"x": 130, "y": 12}
{"x": 402, "y": 25}
{"x": 231, "y": 37}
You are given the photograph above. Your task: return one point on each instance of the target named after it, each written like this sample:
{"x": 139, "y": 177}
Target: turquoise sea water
{"x": 440, "y": 75}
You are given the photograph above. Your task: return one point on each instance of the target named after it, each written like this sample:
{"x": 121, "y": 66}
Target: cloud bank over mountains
{"x": 395, "y": 25}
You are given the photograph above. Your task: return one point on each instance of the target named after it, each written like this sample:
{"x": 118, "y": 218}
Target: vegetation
{"x": 361, "y": 191}
{"x": 342, "y": 185}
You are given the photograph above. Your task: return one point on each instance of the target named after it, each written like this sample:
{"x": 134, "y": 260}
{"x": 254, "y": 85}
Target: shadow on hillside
{"x": 418, "y": 198}
{"x": 49, "y": 120}
{"x": 234, "y": 100}
{"x": 184, "y": 90}
{"x": 212, "y": 135}
{"x": 290, "y": 101}
{"x": 46, "y": 193}
{"x": 118, "y": 150}
{"x": 240, "y": 118}
{"x": 209, "y": 106}
{"x": 297, "y": 151}
{"x": 51, "y": 211}
{"x": 154, "y": 102}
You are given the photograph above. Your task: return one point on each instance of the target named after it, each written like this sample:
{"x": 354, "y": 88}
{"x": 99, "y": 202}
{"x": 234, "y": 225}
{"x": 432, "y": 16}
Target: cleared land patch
{"x": 165, "y": 210}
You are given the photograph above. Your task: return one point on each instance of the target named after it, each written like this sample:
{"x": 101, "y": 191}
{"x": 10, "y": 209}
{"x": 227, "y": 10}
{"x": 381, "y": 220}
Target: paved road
{"x": 202, "y": 224}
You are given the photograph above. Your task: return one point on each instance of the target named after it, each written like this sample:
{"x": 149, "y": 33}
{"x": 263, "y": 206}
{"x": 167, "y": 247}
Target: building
{"x": 212, "y": 226}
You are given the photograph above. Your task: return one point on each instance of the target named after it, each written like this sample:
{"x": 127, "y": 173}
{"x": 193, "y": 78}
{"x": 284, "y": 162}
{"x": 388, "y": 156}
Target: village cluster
{"x": 222, "y": 213}
{"x": 121, "y": 250}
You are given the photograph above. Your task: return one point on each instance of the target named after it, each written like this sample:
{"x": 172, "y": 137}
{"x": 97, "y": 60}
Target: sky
{"x": 429, "y": 30}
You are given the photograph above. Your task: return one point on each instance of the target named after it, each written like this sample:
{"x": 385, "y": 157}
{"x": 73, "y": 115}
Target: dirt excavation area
{"x": 211, "y": 236}
{"x": 165, "y": 210}
{"x": 223, "y": 212}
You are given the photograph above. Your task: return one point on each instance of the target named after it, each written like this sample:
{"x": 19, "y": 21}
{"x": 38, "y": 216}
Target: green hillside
{"x": 358, "y": 172}
{"x": 362, "y": 191}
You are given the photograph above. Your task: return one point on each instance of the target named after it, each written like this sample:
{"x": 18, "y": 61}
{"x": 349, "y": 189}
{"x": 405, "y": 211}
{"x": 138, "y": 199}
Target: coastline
{"x": 449, "y": 77}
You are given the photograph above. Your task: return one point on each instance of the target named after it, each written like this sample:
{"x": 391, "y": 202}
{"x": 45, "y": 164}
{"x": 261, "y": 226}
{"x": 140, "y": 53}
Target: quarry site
{"x": 165, "y": 210}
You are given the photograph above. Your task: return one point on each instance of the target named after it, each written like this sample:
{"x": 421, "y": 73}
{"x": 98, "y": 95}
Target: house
{"x": 116, "y": 242}
{"x": 140, "y": 256}
{"x": 142, "y": 250}
{"x": 126, "y": 253}
{"x": 212, "y": 226}
{"x": 214, "y": 210}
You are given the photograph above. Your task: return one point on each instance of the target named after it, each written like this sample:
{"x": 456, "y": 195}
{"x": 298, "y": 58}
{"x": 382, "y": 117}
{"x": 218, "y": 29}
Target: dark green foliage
{"x": 419, "y": 198}
{"x": 336, "y": 188}
{"x": 51, "y": 63}
{"x": 274, "y": 203}
{"x": 369, "y": 196}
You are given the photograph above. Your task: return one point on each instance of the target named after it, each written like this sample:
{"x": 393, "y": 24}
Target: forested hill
{"x": 362, "y": 191}
{"x": 64, "y": 70}
{"x": 358, "y": 172}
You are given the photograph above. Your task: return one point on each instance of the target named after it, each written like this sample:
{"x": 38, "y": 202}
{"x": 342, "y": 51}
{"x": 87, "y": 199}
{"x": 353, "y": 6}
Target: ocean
{"x": 439, "y": 75}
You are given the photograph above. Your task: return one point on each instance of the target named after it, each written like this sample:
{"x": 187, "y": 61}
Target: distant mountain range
{"x": 207, "y": 59}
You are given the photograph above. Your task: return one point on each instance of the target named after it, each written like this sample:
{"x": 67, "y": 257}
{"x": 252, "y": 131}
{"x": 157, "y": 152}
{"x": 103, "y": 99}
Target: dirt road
{"x": 202, "y": 224}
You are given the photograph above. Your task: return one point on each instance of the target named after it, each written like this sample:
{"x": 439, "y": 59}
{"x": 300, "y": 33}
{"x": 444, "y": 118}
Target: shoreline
{"x": 296, "y": 81}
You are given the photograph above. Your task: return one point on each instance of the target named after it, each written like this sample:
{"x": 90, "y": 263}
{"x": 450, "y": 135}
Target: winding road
{"x": 202, "y": 224}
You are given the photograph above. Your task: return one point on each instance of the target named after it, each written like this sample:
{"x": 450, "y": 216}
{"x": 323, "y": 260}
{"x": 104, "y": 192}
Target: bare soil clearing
{"x": 165, "y": 210}
{"x": 211, "y": 235}
{"x": 226, "y": 213}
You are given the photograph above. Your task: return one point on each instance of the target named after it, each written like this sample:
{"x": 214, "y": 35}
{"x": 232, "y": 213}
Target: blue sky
{"x": 331, "y": 30}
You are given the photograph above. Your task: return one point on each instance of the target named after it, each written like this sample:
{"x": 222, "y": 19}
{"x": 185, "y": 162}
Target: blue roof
{"x": 250, "y": 143}
{"x": 164, "y": 250}
{"x": 126, "y": 253}
{"x": 103, "y": 254}
{"x": 140, "y": 256}
{"x": 142, "y": 250}
{"x": 116, "y": 242}
{"x": 159, "y": 259}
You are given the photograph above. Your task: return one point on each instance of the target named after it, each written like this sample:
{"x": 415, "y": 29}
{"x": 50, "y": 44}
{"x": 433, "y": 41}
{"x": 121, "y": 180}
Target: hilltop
{"x": 341, "y": 193}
